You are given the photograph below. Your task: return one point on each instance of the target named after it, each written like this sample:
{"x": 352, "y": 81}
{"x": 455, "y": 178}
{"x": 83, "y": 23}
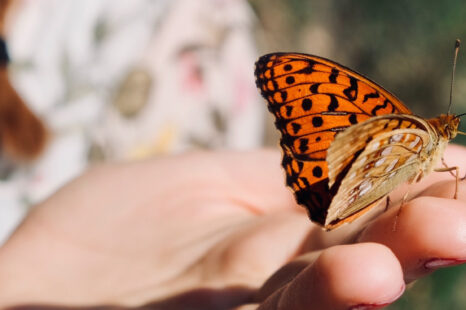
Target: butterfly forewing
{"x": 313, "y": 99}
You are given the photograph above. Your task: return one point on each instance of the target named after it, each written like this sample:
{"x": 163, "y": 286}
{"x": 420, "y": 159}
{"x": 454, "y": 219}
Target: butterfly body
{"x": 346, "y": 141}
{"x": 445, "y": 128}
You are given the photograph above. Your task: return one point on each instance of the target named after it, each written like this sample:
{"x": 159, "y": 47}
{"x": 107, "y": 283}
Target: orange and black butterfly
{"x": 347, "y": 142}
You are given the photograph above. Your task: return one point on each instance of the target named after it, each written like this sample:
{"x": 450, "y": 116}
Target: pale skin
{"x": 221, "y": 231}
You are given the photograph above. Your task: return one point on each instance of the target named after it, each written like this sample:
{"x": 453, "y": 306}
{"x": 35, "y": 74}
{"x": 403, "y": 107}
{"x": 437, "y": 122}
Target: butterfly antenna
{"x": 457, "y": 47}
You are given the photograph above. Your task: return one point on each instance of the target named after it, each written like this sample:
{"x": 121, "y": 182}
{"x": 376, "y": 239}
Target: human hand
{"x": 218, "y": 231}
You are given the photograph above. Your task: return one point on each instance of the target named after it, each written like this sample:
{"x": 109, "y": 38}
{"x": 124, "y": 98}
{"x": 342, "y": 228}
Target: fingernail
{"x": 436, "y": 263}
{"x": 375, "y": 306}
{"x": 369, "y": 307}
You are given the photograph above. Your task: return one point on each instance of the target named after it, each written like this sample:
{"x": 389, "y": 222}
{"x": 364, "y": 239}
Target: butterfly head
{"x": 447, "y": 125}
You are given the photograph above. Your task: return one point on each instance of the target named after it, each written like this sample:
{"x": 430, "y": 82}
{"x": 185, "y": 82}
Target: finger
{"x": 342, "y": 277}
{"x": 430, "y": 232}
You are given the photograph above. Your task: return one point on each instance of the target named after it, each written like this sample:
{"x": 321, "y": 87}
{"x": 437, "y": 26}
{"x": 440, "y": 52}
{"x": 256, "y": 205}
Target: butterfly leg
{"x": 403, "y": 201}
{"x": 446, "y": 166}
{"x": 463, "y": 178}
{"x": 456, "y": 175}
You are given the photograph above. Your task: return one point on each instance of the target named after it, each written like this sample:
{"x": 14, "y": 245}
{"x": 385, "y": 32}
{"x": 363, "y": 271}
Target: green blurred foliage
{"x": 407, "y": 47}
{"x": 444, "y": 289}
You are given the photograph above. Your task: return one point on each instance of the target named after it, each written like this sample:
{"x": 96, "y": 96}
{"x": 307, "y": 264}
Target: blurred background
{"x": 120, "y": 80}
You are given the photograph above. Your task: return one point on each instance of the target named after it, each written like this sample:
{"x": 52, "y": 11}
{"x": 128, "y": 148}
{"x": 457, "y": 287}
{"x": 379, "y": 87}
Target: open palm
{"x": 221, "y": 231}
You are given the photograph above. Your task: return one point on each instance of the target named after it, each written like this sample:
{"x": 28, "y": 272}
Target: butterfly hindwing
{"x": 313, "y": 99}
{"x": 387, "y": 150}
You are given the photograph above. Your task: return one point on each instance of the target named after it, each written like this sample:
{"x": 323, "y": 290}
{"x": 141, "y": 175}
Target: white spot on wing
{"x": 387, "y": 151}
{"x": 380, "y": 162}
{"x": 391, "y": 165}
{"x": 407, "y": 137}
{"x": 411, "y": 158}
{"x": 415, "y": 142}
{"x": 375, "y": 146}
{"x": 396, "y": 138}
{"x": 363, "y": 160}
{"x": 364, "y": 187}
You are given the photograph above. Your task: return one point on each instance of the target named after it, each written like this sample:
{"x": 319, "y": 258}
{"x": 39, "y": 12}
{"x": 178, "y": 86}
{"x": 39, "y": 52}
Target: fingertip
{"x": 345, "y": 277}
{"x": 437, "y": 225}
{"x": 361, "y": 274}
{"x": 427, "y": 229}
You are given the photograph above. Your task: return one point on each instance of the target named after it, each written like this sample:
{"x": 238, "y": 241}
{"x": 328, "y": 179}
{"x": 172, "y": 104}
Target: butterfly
{"x": 347, "y": 142}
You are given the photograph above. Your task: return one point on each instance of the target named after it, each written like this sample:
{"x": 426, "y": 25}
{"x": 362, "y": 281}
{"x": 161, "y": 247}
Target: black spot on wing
{"x": 370, "y": 96}
{"x": 333, "y": 75}
{"x": 317, "y": 171}
{"x": 303, "y": 145}
{"x": 296, "y": 127}
{"x": 314, "y": 88}
{"x": 317, "y": 121}
{"x": 380, "y": 106}
{"x": 309, "y": 68}
{"x": 289, "y": 109}
{"x": 284, "y": 95}
{"x": 352, "y": 91}
{"x": 306, "y": 104}
{"x": 333, "y": 103}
